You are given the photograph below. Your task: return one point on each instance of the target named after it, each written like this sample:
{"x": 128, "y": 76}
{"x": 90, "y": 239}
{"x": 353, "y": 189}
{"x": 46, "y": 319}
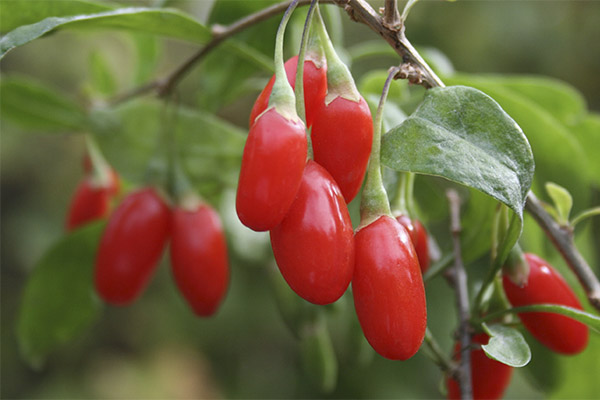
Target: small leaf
{"x": 506, "y": 345}
{"x": 34, "y": 106}
{"x": 59, "y": 301}
{"x": 563, "y": 202}
{"x": 167, "y": 22}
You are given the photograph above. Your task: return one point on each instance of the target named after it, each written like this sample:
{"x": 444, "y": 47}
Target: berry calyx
{"x": 315, "y": 87}
{"x": 131, "y": 246}
{"x": 545, "y": 285}
{"x": 313, "y": 245}
{"x": 489, "y": 378}
{"x": 199, "y": 259}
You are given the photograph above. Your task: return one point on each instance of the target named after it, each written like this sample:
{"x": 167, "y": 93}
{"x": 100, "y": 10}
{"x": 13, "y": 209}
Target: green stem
{"x": 592, "y": 212}
{"x": 100, "y": 167}
{"x": 436, "y": 353}
{"x": 299, "y": 88}
{"x": 374, "y": 201}
{"x": 282, "y": 94}
{"x": 339, "y": 79}
{"x": 404, "y": 202}
{"x": 589, "y": 319}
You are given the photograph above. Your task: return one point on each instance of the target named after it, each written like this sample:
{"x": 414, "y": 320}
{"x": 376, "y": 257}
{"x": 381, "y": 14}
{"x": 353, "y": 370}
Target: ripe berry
{"x": 489, "y": 378}
{"x": 131, "y": 246}
{"x": 89, "y": 203}
{"x": 199, "y": 258}
{"x": 272, "y": 165}
{"x": 418, "y": 236}
{"x": 315, "y": 88}
{"x": 342, "y": 135}
{"x": 91, "y": 200}
{"x": 313, "y": 245}
{"x": 388, "y": 289}
{"x": 545, "y": 285}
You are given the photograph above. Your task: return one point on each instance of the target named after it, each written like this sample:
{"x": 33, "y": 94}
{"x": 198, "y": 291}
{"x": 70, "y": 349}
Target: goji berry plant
{"x": 359, "y": 221}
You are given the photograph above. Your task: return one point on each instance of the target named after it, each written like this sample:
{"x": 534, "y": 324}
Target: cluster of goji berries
{"x": 138, "y": 231}
{"x": 303, "y": 201}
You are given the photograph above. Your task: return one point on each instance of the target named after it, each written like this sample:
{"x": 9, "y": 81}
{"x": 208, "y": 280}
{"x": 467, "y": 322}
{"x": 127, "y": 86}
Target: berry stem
{"x": 339, "y": 79}
{"x": 100, "y": 167}
{"x": 404, "y": 202}
{"x": 374, "y": 202}
{"x": 282, "y": 95}
{"x": 299, "y": 88}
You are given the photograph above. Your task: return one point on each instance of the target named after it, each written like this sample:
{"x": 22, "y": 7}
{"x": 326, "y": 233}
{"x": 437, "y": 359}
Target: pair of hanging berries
{"x": 92, "y": 198}
{"x": 303, "y": 201}
{"x": 528, "y": 280}
{"x": 133, "y": 242}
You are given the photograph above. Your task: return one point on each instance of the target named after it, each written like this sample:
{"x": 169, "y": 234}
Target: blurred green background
{"x": 156, "y": 348}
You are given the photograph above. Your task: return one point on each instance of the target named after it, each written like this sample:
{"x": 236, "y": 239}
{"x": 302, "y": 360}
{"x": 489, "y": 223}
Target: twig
{"x": 414, "y": 68}
{"x": 437, "y": 354}
{"x": 462, "y": 297}
{"x": 391, "y": 16}
{"x": 166, "y": 85}
{"x": 562, "y": 238}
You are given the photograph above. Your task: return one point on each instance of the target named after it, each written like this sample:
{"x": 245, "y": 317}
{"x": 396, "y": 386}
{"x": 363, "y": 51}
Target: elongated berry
{"x": 272, "y": 165}
{"x": 418, "y": 236}
{"x": 315, "y": 88}
{"x": 91, "y": 200}
{"x": 545, "y": 285}
{"x": 199, "y": 258}
{"x": 389, "y": 297}
{"x": 342, "y": 135}
{"x": 489, "y": 378}
{"x": 89, "y": 203}
{"x": 131, "y": 246}
{"x": 313, "y": 245}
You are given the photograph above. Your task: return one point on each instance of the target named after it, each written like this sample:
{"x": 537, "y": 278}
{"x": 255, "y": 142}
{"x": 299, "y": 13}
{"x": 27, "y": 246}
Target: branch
{"x": 413, "y": 67}
{"x": 165, "y": 86}
{"x": 459, "y": 282}
{"x": 562, "y": 238}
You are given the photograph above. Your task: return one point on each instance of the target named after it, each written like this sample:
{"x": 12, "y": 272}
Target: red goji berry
{"x": 545, "y": 285}
{"x": 199, "y": 258}
{"x": 131, "y": 246}
{"x": 418, "y": 236}
{"x": 313, "y": 245}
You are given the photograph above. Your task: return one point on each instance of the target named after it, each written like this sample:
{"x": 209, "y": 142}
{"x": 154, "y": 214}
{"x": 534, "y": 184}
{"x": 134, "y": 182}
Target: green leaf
{"x": 506, "y": 345}
{"x": 166, "y": 22}
{"x": 461, "y": 134}
{"x": 587, "y": 132}
{"x": 593, "y": 321}
{"x": 101, "y": 80}
{"x": 559, "y": 157}
{"x": 59, "y": 301}
{"x": 148, "y": 49}
{"x": 563, "y": 202}
{"x": 34, "y": 106}
{"x": 24, "y": 12}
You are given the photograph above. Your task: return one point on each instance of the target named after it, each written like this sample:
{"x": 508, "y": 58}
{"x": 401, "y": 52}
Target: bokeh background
{"x": 156, "y": 348}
